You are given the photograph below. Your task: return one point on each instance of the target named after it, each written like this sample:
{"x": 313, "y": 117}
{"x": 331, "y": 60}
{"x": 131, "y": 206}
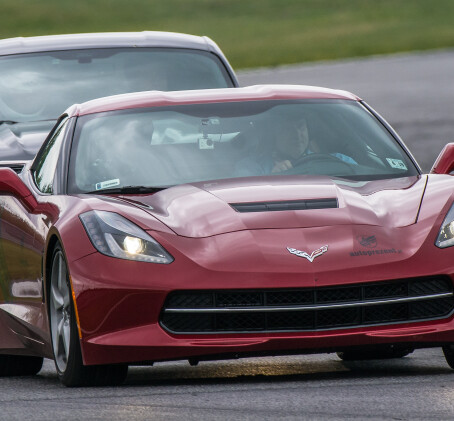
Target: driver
{"x": 292, "y": 143}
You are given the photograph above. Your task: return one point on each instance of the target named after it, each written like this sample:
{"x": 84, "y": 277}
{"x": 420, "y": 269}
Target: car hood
{"x": 21, "y": 141}
{"x": 212, "y": 208}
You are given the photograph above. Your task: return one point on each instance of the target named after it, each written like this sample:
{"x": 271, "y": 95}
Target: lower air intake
{"x": 308, "y": 309}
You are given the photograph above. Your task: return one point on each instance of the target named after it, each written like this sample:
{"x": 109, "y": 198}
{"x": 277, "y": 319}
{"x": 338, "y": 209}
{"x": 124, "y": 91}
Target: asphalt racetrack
{"x": 315, "y": 387}
{"x": 415, "y": 93}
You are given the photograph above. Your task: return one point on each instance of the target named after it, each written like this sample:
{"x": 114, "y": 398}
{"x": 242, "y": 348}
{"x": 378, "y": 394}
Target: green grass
{"x": 252, "y": 32}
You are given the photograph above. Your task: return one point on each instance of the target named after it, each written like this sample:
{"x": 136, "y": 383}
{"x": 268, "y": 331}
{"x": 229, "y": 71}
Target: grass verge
{"x": 254, "y": 33}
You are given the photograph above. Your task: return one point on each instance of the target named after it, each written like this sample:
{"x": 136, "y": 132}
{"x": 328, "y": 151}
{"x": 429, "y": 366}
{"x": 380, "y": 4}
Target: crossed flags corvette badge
{"x": 311, "y": 256}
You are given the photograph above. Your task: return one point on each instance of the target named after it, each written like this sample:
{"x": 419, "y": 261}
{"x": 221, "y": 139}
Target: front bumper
{"x": 150, "y": 343}
{"x": 120, "y": 303}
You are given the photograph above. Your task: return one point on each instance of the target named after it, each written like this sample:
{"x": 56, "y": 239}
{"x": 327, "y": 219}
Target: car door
{"x": 22, "y": 237}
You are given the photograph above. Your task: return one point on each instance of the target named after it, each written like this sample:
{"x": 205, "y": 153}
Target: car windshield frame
{"x": 405, "y": 159}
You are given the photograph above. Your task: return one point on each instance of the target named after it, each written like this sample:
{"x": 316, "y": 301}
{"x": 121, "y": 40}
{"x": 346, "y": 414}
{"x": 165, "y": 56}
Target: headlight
{"x": 116, "y": 236}
{"x": 446, "y": 234}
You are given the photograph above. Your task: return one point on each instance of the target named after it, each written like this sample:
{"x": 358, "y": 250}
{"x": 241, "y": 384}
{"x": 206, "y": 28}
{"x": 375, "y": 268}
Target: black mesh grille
{"x": 339, "y": 317}
{"x": 386, "y": 313}
{"x": 190, "y": 300}
{"x": 285, "y": 298}
{"x": 295, "y": 320}
{"x": 190, "y": 322}
{"x": 398, "y": 289}
{"x": 240, "y": 322}
{"x": 431, "y": 308}
{"x": 338, "y": 295}
{"x": 308, "y": 308}
{"x": 238, "y": 299}
{"x": 432, "y": 286}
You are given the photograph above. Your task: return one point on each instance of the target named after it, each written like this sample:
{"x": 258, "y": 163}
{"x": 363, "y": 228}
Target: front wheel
{"x": 65, "y": 339}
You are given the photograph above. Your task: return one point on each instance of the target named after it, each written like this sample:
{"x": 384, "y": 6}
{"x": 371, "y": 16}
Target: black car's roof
{"x": 22, "y": 45}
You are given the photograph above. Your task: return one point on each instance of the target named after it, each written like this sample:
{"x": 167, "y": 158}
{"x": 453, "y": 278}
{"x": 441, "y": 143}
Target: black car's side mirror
{"x": 445, "y": 161}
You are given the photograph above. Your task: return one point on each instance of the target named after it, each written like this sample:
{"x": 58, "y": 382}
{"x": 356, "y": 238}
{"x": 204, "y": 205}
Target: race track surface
{"x": 317, "y": 387}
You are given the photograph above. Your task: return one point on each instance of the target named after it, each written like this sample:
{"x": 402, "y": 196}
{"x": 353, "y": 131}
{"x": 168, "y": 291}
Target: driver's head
{"x": 292, "y": 139}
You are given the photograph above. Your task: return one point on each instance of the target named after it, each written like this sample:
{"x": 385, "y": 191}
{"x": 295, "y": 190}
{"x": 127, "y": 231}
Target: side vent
{"x": 16, "y": 167}
{"x": 285, "y": 205}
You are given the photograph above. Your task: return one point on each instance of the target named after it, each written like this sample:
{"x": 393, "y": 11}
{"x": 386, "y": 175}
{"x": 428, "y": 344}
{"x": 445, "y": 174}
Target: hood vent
{"x": 286, "y": 205}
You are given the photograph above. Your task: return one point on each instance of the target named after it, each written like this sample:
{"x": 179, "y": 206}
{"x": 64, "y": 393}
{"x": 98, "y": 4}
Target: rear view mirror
{"x": 445, "y": 161}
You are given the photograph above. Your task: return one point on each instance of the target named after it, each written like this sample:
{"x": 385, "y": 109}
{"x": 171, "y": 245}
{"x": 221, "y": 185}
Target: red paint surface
{"x": 250, "y": 93}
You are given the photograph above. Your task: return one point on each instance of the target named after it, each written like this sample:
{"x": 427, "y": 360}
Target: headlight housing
{"x": 113, "y": 235}
{"x": 446, "y": 235}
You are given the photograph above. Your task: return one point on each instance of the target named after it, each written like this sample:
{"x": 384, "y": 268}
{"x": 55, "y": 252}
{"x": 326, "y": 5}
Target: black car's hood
{"x": 21, "y": 141}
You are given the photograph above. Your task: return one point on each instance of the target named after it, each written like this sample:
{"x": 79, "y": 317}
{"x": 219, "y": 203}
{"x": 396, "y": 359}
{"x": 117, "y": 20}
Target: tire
{"x": 19, "y": 365}
{"x": 381, "y": 353}
{"x": 448, "y": 350}
{"x": 64, "y": 333}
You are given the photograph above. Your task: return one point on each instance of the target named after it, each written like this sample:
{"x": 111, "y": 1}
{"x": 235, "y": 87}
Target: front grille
{"x": 308, "y": 309}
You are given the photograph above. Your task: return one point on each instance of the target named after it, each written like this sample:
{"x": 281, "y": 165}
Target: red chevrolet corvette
{"x": 218, "y": 224}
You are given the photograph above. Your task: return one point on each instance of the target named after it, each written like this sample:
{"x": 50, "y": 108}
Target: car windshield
{"x": 189, "y": 143}
{"x": 40, "y": 86}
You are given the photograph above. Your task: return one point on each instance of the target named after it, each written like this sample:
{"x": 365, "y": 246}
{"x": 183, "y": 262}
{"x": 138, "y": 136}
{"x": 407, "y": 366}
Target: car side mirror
{"x": 11, "y": 184}
{"x": 445, "y": 161}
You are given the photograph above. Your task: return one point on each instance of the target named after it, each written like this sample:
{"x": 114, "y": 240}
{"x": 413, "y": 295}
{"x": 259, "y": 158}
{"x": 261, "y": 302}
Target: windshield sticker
{"x": 107, "y": 184}
{"x": 396, "y": 163}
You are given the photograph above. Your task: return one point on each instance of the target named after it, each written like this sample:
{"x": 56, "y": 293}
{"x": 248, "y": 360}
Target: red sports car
{"x": 219, "y": 224}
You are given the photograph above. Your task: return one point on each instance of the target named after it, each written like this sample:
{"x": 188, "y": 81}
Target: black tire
{"x": 69, "y": 365}
{"x": 448, "y": 350}
{"x": 382, "y": 353}
{"x": 19, "y": 365}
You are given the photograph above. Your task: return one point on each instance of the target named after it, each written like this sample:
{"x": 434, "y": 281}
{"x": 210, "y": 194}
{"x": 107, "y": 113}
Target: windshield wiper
{"x": 127, "y": 190}
{"x": 8, "y": 122}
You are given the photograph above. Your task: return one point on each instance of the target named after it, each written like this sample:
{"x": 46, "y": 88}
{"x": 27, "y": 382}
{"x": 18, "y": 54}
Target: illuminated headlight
{"x": 133, "y": 245}
{"x": 446, "y": 234}
{"x": 116, "y": 236}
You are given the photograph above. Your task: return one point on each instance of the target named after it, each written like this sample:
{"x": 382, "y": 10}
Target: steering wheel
{"x": 320, "y": 158}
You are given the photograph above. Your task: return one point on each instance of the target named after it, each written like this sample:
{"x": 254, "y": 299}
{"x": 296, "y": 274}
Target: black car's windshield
{"x": 40, "y": 86}
{"x": 189, "y": 143}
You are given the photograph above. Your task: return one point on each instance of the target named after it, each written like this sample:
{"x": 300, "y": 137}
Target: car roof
{"x": 23, "y": 45}
{"x": 250, "y": 93}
